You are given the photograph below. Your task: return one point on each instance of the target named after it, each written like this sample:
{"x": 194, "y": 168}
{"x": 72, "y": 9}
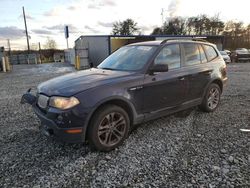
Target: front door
{"x": 163, "y": 90}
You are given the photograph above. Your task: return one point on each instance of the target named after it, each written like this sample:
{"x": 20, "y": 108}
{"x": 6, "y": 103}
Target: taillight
{"x": 223, "y": 71}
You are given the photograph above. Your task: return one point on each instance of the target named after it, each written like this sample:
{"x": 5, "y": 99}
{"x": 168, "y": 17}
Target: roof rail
{"x": 184, "y": 38}
{"x": 199, "y": 39}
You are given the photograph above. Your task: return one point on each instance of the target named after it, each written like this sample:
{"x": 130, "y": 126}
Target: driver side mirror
{"x": 158, "y": 68}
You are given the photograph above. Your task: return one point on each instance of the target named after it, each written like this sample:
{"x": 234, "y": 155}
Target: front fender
{"x": 93, "y": 100}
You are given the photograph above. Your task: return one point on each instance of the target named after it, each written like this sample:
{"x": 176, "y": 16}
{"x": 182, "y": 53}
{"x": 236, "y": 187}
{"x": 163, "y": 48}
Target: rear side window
{"x": 191, "y": 54}
{"x": 203, "y": 55}
{"x": 169, "y": 55}
{"x": 210, "y": 51}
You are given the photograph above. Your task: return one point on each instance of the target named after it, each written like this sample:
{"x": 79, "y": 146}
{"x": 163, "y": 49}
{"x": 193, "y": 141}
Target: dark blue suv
{"x": 137, "y": 83}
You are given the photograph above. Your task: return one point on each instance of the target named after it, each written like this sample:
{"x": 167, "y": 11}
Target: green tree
{"x": 198, "y": 25}
{"x": 175, "y": 26}
{"x": 236, "y": 34}
{"x": 127, "y": 27}
{"x": 50, "y": 44}
{"x": 190, "y": 25}
{"x": 217, "y": 26}
{"x": 157, "y": 31}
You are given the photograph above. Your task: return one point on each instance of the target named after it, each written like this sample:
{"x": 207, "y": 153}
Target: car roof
{"x": 162, "y": 42}
{"x": 147, "y": 43}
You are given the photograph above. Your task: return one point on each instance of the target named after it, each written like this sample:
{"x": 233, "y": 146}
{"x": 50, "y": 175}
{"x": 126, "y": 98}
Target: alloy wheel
{"x": 112, "y": 129}
{"x": 213, "y": 98}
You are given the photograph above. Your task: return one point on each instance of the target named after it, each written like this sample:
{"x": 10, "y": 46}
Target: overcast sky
{"x": 47, "y": 18}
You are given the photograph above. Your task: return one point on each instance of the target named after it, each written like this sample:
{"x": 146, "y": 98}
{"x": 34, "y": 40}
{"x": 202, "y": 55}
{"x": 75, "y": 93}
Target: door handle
{"x": 135, "y": 88}
{"x": 207, "y": 72}
{"x": 181, "y": 78}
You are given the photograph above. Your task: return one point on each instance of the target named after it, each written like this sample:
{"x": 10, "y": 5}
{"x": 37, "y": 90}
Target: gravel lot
{"x": 189, "y": 149}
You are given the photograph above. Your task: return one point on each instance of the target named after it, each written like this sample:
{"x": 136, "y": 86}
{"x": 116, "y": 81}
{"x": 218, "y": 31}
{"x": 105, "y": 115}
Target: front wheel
{"x": 109, "y": 128}
{"x": 211, "y": 99}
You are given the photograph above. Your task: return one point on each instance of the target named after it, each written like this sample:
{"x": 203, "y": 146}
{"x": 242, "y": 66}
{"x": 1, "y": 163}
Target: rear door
{"x": 199, "y": 70}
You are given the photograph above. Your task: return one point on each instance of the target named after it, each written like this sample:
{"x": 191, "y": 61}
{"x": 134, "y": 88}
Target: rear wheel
{"x": 109, "y": 128}
{"x": 211, "y": 99}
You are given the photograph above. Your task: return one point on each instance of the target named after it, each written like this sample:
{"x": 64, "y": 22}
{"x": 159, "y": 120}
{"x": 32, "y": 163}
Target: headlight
{"x": 63, "y": 102}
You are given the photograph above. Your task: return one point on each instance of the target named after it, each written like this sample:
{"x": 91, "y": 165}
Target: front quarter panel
{"x": 93, "y": 98}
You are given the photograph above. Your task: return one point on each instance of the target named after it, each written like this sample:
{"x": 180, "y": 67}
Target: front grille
{"x": 43, "y": 101}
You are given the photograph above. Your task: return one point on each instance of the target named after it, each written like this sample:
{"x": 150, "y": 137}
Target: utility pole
{"x": 8, "y": 42}
{"x": 27, "y": 36}
{"x": 40, "y": 53}
{"x": 162, "y": 16}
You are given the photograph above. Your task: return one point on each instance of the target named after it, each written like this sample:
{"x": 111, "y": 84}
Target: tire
{"x": 108, "y": 128}
{"x": 211, "y": 99}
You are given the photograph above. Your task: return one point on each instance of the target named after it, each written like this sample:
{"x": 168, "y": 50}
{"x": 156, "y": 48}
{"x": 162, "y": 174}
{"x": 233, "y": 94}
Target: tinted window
{"x": 169, "y": 55}
{"x": 210, "y": 51}
{"x": 203, "y": 55}
{"x": 192, "y": 54}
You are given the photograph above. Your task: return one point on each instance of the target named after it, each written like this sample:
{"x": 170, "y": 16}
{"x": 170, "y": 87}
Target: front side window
{"x": 210, "y": 51}
{"x": 169, "y": 55}
{"x": 128, "y": 58}
{"x": 191, "y": 54}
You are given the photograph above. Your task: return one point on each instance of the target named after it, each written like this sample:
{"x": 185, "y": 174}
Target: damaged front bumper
{"x": 28, "y": 98}
{"x": 50, "y": 125}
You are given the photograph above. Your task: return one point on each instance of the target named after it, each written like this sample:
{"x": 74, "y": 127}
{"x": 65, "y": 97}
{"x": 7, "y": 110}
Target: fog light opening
{"x": 60, "y": 118}
{"x": 50, "y": 131}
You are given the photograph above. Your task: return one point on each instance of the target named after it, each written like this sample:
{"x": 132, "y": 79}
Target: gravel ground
{"x": 188, "y": 149}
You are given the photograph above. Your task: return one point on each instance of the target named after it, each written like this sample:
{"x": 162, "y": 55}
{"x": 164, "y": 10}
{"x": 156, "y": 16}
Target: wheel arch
{"x": 118, "y": 101}
{"x": 215, "y": 81}
{"x": 219, "y": 83}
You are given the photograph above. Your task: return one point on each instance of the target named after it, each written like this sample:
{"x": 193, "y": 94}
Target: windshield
{"x": 241, "y": 49}
{"x": 128, "y": 58}
{"x": 223, "y": 53}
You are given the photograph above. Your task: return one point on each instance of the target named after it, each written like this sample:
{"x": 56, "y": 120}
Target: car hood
{"x": 225, "y": 56}
{"x": 73, "y": 83}
{"x": 242, "y": 52}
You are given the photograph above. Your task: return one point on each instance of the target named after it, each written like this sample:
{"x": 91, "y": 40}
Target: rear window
{"x": 203, "y": 55}
{"x": 210, "y": 51}
{"x": 241, "y": 49}
{"x": 223, "y": 53}
{"x": 192, "y": 54}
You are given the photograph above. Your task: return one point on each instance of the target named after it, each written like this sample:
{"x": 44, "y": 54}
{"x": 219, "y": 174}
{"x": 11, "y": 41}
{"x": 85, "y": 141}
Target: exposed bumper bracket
{"x": 28, "y": 98}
